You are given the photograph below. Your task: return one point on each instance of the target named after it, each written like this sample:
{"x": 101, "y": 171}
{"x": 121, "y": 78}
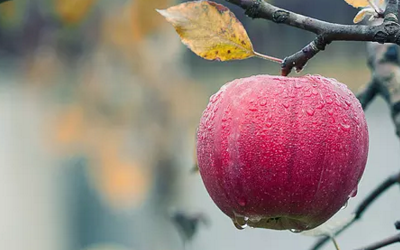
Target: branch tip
{"x": 397, "y": 225}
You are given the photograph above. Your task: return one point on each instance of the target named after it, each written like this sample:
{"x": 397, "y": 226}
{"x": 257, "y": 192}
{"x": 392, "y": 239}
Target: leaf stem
{"x": 269, "y": 58}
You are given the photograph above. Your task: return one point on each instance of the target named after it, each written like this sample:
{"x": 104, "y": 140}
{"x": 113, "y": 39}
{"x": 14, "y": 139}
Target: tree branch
{"x": 383, "y": 243}
{"x": 387, "y": 32}
{"x": 368, "y": 201}
{"x": 367, "y": 94}
{"x": 384, "y": 62}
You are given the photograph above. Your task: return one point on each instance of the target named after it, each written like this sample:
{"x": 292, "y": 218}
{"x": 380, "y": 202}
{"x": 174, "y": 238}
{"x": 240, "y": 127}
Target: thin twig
{"x": 383, "y": 243}
{"x": 366, "y": 203}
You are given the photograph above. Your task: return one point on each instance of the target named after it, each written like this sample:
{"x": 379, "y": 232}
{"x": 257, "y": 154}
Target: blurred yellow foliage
{"x": 117, "y": 30}
{"x": 145, "y": 19}
{"x": 70, "y": 126}
{"x": 127, "y": 25}
{"x": 8, "y": 13}
{"x": 123, "y": 182}
{"x": 42, "y": 68}
{"x": 73, "y": 11}
{"x": 127, "y": 103}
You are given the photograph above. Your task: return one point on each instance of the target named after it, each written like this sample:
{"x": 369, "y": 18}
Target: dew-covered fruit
{"x": 282, "y": 152}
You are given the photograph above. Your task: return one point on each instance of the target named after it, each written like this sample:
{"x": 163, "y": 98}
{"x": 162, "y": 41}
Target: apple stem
{"x": 335, "y": 243}
{"x": 269, "y": 58}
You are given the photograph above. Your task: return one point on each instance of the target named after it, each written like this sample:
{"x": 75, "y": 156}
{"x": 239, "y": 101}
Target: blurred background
{"x": 99, "y": 103}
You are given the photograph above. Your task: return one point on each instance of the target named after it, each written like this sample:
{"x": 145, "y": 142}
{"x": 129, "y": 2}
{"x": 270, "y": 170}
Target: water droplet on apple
{"x": 310, "y": 112}
{"x": 278, "y": 90}
{"x": 242, "y": 201}
{"x": 239, "y": 226}
{"x": 253, "y": 109}
{"x": 315, "y": 92}
{"x": 321, "y": 104}
{"x": 330, "y": 112}
{"x": 329, "y": 100}
{"x": 215, "y": 97}
{"x": 338, "y": 103}
{"x": 263, "y": 103}
{"x": 268, "y": 124}
{"x": 345, "y": 205}
{"x": 307, "y": 93}
{"x": 240, "y": 221}
{"x": 298, "y": 85}
{"x": 345, "y": 126}
{"x": 353, "y": 193}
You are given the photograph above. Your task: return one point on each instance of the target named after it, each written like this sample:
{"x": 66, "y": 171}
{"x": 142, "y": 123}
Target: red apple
{"x": 282, "y": 152}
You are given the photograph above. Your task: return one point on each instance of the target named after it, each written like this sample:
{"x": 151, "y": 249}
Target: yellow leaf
{"x": 8, "y": 12}
{"x": 358, "y": 3}
{"x": 210, "y": 30}
{"x": 362, "y": 14}
{"x": 144, "y": 18}
{"x": 122, "y": 182}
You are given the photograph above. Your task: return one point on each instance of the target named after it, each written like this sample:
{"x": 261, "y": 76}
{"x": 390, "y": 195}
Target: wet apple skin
{"x": 282, "y": 152}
